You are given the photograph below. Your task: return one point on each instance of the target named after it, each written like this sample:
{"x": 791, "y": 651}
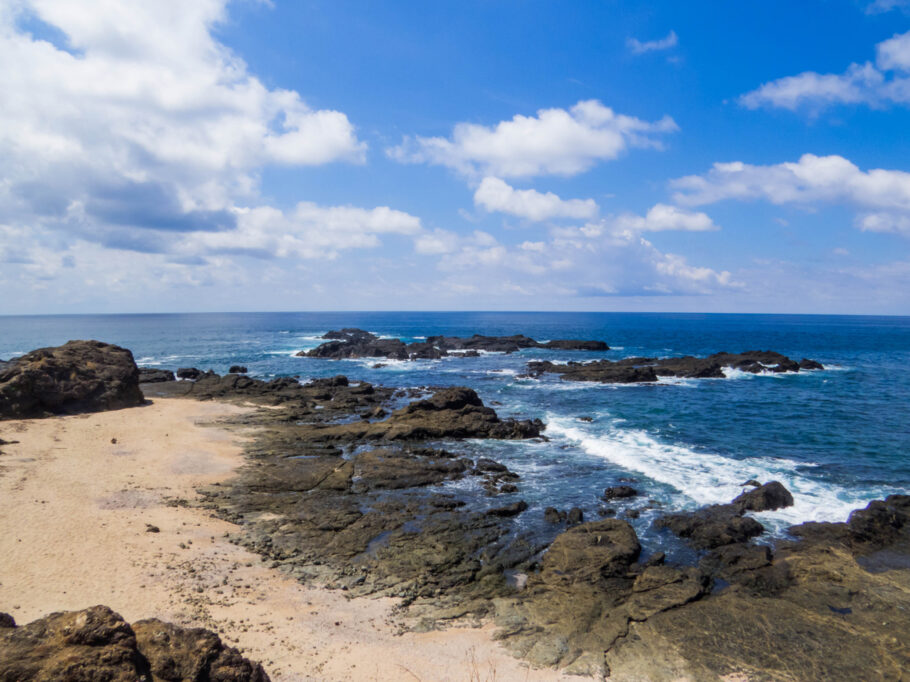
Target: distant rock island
{"x": 357, "y": 343}
{"x": 636, "y": 370}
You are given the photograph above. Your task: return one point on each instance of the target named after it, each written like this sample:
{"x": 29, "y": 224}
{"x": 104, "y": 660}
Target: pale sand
{"x": 73, "y": 513}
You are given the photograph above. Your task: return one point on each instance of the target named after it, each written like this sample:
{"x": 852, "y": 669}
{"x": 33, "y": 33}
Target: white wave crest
{"x": 706, "y": 478}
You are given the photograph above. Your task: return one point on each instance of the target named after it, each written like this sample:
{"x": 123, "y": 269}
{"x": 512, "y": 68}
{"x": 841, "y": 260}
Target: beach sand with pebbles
{"x": 85, "y": 519}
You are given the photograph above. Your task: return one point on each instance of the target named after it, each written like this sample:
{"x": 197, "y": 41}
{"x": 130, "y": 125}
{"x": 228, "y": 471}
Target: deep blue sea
{"x": 836, "y": 438}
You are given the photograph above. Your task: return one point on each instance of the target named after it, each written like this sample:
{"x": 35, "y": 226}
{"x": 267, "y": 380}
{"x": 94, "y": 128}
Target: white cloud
{"x": 885, "y": 82}
{"x": 494, "y": 194}
{"x": 882, "y": 196}
{"x": 881, "y": 6}
{"x": 662, "y": 217}
{"x": 309, "y": 231}
{"x": 136, "y": 124}
{"x": 436, "y": 243}
{"x": 555, "y": 142}
{"x": 639, "y": 47}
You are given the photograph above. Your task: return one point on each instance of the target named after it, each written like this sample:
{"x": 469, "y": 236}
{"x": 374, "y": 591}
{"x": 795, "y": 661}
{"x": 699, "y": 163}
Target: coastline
{"x": 74, "y": 509}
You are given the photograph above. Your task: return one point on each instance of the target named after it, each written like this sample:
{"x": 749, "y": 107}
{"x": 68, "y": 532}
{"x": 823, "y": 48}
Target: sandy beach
{"x": 81, "y": 497}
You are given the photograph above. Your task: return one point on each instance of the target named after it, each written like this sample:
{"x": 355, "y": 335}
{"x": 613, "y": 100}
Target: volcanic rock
{"x": 154, "y": 376}
{"x": 638, "y": 370}
{"x": 237, "y": 369}
{"x": 713, "y": 526}
{"x": 767, "y": 497}
{"x": 97, "y": 644}
{"x": 80, "y": 376}
{"x": 619, "y": 492}
{"x": 357, "y": 343}
{"x": 188, "y": 373}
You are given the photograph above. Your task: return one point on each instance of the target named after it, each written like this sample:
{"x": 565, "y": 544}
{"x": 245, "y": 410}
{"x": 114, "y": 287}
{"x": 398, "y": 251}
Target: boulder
{"x": 509, "y": 510}
{"x": 590, "y": 552}
{"x": 711, "y": 527}
{"x": 97, "y": 644}
{"x": 237, "y": 369}
{"x": 188, "y": 373}
{"x": 80, "y": 376}
{"x": 767, "y": 497}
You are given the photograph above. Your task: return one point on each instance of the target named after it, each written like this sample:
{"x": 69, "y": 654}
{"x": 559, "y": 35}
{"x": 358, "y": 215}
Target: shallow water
{"x": 836, "y": 438}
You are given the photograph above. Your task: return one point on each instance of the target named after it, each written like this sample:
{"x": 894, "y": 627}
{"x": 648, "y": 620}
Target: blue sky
{"x": 210, "y": 155}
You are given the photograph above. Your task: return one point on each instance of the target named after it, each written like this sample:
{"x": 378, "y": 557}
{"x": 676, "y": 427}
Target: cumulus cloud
{"x": 554, "y": 142}
{"x": 639, "y": 47}
{"x": 494, "y": 194}
{"x": 606, "y": 258}
{"x": 309, "y": 231}
{"x": 881, "y": 196}
{"x": 884, "y": 82}
{"x": 127, "y": 124}
{"x": 881, "y": 6}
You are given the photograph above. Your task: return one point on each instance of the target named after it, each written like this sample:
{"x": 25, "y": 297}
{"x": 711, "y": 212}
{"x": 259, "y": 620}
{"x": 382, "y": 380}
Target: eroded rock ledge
{"x": 357, "y": 343}
{"x": 97, "y": 644}
{"x": 637, "y": 370}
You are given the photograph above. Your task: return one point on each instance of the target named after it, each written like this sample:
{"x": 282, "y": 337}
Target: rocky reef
{"x": 357, "y": 343}
{"x": 79, "y": 376}
{"x": 98, "y": 644}
{"x": 637, "y": 370}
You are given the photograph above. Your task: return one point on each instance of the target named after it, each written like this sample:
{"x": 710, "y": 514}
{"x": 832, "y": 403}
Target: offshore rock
{"x": 97, "y": 644}
{"x": 79, "y": 376}
{"x": 357, "y": 343}
{"x": 642, "y": 370}
{"x": 767, "y": 497}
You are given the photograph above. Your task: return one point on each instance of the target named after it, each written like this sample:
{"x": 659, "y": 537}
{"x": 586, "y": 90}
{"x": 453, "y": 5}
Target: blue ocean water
{"x": 836, "y": 438}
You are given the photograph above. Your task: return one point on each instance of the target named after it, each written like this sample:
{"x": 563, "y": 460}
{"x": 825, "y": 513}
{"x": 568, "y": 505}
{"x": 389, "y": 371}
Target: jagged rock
{"x": 80, "y": 376}
{"x": 766, "y": 497}
{"x": 619, "y": 492}
{"x": 237, "y": 369}
{"x": 575, "y": 516}
{"x": 97, "y": 644}
{"x": 154, "y": 376}
{"x": 188, "y": 373}
{"x": 636, "y": 370}
{"x": 878, "y": 526}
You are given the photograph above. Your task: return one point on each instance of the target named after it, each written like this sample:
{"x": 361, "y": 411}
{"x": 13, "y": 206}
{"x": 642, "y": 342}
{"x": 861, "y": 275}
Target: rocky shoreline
{"x": 341, "y": 487}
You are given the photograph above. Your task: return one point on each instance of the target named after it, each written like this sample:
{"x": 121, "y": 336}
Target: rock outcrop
{"x": 148, "y": 375}
{"x": 80, "y": 376}
{"x": 97, "y": 644}
{"x": 641, "y": 370}
{"x": 357, "y": 343}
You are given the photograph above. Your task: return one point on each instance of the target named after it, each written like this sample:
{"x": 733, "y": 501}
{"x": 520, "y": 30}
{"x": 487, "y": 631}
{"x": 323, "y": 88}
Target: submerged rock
{"x": 79, "y": 376}
{"x": 97, "y": 644}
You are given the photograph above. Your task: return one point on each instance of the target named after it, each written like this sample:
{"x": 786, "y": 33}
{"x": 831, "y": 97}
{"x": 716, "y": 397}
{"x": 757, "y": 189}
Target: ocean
{"x": 837, "y": 438}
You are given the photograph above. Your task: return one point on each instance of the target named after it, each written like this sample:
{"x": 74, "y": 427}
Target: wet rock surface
{"x": 642, "y": 370}
{"x": 79, "y": 376}
{"x": 97, "y": 644}
{"x": 357, "y": 343}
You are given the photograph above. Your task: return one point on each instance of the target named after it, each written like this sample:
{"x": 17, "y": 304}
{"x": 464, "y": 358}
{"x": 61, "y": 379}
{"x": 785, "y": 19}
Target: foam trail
{"x": 706, "y": 478}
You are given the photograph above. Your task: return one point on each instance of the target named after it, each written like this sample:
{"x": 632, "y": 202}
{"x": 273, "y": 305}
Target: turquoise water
{"x": 836, "y": 438}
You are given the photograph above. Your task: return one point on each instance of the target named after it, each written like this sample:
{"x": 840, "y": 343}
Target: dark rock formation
{"x": 357, "y": 343}
{"x": 80, "y": 376}
{"x": 97, "y": 644}
{"x": 450, "y": 413}
{"x": 619, "y": 492}
{"x": 237, "y": 369}
{"x": 153, "y": 376}
{"x": 638, "y": 370}
{"x": 880, "y": 524}
{"x": 189, "y": 373}
{"x": 710, "y": 527}
{"x": 767, "y": 497}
